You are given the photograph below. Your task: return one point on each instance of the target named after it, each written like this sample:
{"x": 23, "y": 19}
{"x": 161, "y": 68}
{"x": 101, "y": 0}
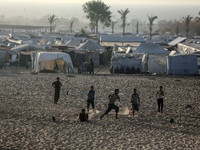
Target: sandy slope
{"x": 26, "y": 118}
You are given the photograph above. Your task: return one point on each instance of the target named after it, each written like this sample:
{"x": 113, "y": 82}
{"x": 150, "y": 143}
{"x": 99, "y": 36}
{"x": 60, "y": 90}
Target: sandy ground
{"x": 26, "y": 110}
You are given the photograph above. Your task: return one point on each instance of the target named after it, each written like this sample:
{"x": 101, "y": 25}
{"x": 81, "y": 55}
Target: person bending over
{"x": 83, "y": 116}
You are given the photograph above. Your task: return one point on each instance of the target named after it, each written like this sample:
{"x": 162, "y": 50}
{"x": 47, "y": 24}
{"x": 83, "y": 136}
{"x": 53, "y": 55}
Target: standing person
{"x": 111, "y": 105}
{"x": 160, "y": 95}
{"x": 57, "y": 86}
{"x": 91, "y": 66}
{"x": 135, "y": 100}
{"x": 90, "y": 99}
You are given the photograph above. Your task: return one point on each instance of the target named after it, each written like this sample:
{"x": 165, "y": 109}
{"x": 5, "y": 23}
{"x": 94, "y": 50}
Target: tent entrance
{"x": 57, "y": 65}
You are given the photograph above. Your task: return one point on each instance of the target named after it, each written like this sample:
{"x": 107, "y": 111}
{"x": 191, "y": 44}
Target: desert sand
{"x": 26, "y": 110}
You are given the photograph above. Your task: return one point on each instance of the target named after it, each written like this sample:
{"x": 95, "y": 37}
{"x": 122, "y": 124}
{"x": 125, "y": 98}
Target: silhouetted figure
{"x": 127, "y": 70}
{"x": 132, "y": 70}
{"x": 91, "y": 66}
{"x": 122, "y": 70}
{"x": 160, "y": 95}
{"x": 83, "y": 116}
{"x": 57, "y": 86}
{"x": 135, "y": 100}
{"x": 117, "y": 70}
{"x": 90, "y": 99}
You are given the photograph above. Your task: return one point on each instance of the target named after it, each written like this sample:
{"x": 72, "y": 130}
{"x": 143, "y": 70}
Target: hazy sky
{"x": 171, "y": 2}
{"x": 139, "y": 9}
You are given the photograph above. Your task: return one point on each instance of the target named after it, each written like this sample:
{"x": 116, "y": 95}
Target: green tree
{"x": 151, "y": 20}
{"x": 198, "y": 18}
{"x": 187, "y": 21}
{"x": 123, "y": 14}
{"x": 97, "y": 11}
{"x": 113, "y": 25}
{"x": 71, "y": 25}
{"x": 52, "y": 19}
{"x": 82, "y": 33}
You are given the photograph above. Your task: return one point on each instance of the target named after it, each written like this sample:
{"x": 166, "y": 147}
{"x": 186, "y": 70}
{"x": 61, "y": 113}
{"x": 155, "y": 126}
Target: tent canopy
{"x": 151, "y": 48}
{"x": 91, "y": 45}
{"x": 73, "y": 42}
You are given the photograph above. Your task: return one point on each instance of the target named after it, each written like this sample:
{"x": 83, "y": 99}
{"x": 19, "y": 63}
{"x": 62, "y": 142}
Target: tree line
{"x": 98, "y": 12}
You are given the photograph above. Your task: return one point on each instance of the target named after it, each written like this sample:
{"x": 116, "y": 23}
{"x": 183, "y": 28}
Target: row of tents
{"x": 152, "y": 58}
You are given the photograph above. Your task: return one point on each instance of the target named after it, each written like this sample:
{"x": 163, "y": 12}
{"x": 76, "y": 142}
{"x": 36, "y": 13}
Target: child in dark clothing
{"x": 91, "y": 98}
{"x": 83, "y": 116}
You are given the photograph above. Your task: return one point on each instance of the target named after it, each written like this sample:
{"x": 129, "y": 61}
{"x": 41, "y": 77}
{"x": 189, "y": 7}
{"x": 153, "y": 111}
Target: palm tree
{"x": 151, "y": 20}
{"x": 52, "y": 19}
{"x": 71, "y": 25}
{"x": 123, "y": 14}
{"x": 198, "y": 18}
{"x": 113, "y": 25}
{"x": 137, "y": 27}
{"x": 187, "y": 23}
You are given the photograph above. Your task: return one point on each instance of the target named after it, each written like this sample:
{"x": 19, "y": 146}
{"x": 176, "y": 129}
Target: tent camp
{"x": 151, "y": 48}
{"x": 51, "y": 60}
{"x": 182, "y": 65}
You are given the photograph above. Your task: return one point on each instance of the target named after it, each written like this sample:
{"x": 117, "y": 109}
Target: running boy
{"x": 111, "y": 105}
{"x": 160, "y": 95}
{"x": 135, "y": 100}
{"x": 90, "y": 99}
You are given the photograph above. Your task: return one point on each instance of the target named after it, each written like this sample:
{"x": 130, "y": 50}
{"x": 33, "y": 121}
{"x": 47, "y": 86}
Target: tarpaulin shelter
{"x": 182, "y": 65}
{"x": 51, "y": 60}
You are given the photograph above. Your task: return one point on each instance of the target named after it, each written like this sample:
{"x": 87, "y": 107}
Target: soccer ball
{"x": 172, "y": 120}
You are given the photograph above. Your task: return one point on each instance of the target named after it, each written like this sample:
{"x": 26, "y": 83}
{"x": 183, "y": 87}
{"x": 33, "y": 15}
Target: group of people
{"x": 135, "y": 100}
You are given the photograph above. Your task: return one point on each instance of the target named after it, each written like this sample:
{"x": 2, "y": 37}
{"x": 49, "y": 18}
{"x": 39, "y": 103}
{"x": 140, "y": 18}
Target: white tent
{"x": 17, "y": 49}
{"x": 73, "y": 42}
{"x": 154, "y": 64}
{"x": 151, "y": 48}
{"x": 124, "y": 62}
{"x": 157, "y": 64}
{"x": 47, "y": 60}
{"x": 182, "y": 65}
{"x": 93, "y": 49}
{"x": 188, "y": 48}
